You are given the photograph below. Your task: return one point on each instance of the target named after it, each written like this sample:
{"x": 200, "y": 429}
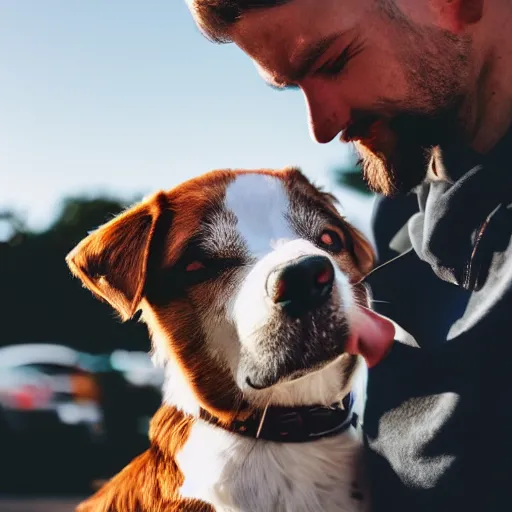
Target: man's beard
{"x": 395, "y": 142}
{"x": 394, "y": 153}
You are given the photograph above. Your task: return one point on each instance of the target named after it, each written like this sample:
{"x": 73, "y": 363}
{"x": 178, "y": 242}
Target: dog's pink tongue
{"x": 372, "y": 336}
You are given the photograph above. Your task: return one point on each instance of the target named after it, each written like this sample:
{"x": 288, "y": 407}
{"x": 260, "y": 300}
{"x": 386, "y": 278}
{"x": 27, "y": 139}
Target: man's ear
{"x": 455, "y": 15}
{"x": 113, "y": 261}
{"x": 363, "y": 251}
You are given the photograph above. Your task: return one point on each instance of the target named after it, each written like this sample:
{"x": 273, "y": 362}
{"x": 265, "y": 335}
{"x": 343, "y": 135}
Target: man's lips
{"x": 362, "y": 129}
{"x": 372, "y": 336}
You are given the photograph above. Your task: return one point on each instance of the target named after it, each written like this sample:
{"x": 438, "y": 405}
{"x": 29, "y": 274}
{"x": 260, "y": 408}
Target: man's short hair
{"x": 214, "y": 17}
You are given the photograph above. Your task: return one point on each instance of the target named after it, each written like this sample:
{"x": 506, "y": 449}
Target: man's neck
{"x": 490, "y": 107}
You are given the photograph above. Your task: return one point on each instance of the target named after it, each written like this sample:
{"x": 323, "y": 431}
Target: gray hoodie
{"x": 439, "y": 411}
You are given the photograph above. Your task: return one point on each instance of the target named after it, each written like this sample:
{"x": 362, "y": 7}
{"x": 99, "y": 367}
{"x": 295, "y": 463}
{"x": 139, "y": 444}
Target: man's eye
{"x": 335, "y": 66}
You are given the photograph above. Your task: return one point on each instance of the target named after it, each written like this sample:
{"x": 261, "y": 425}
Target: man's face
{"x": 389, "y": 84}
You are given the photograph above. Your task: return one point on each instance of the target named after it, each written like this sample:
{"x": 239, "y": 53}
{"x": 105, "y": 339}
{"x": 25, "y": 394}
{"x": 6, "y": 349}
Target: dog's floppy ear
{"x": 112, "y": 261}
{"x": 363, "y": 251}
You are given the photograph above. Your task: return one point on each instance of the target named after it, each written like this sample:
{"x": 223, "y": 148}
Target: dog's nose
{"x": 302, "y": 285}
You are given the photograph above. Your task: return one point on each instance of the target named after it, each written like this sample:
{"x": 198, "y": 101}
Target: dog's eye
{"x": 331, "y": 240}
{"x": 199, "y": 270}
{"x": 193, "y": 266}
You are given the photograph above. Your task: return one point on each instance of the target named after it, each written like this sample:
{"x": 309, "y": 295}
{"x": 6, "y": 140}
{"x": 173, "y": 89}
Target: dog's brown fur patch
{"x": 151, "y": 482}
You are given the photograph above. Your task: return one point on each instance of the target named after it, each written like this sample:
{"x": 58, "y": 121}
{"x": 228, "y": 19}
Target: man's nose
{"x": 328, "y": 115}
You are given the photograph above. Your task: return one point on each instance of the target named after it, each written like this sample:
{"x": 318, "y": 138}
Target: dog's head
{"x": 247, "y": 280}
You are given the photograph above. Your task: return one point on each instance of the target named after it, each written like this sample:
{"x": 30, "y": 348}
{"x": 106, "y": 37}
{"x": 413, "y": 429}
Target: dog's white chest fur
{"x": 237, "y": 474}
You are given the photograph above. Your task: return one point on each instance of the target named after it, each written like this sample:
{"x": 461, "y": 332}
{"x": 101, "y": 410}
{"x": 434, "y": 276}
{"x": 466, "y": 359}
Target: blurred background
{"x": 102, "y": 103}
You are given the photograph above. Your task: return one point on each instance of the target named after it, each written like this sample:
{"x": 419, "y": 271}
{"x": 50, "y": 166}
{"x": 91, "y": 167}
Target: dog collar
{"x": 295, "y": 424}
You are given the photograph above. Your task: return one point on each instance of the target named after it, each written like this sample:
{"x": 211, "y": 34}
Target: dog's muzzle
{"x": 302, "y": 285}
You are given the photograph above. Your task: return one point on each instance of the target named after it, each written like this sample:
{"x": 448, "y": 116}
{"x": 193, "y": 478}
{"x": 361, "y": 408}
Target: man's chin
{"x": 392, "y": 176}
{"x": 395, "y": 151}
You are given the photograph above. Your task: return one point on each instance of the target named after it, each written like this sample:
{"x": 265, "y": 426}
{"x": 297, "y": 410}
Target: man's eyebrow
{"x": 303, "y": 62}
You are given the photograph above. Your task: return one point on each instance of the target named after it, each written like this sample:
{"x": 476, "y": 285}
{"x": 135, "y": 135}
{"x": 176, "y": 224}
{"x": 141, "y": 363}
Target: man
{"x": 423, "y": 88}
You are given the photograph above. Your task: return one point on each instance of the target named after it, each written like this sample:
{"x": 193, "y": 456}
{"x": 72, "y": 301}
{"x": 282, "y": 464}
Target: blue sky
{"x": 126, "y": 97}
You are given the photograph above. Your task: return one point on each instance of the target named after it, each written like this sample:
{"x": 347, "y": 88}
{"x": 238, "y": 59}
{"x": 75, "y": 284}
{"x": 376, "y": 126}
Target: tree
{"x": 350, "y": 175}
{"x": 42, "y": 302}
{"x": 12, "y": 227}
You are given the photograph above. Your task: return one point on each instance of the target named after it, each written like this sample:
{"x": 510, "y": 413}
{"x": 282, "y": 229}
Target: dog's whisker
{"x": 263, "y": 417}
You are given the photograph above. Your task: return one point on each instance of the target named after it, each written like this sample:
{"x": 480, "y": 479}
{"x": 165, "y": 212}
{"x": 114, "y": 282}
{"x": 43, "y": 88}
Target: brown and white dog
{"x": 248, "y": 283}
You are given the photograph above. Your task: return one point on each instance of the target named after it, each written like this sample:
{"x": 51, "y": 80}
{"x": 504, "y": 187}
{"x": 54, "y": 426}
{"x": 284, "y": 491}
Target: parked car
{"x": 50, "y": 418}
{"x": 68, "y": 417}
{"x": 130, "y": 395}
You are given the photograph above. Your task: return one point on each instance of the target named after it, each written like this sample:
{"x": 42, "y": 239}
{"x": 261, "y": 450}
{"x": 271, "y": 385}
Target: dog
{"x": 249, "y": 284}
